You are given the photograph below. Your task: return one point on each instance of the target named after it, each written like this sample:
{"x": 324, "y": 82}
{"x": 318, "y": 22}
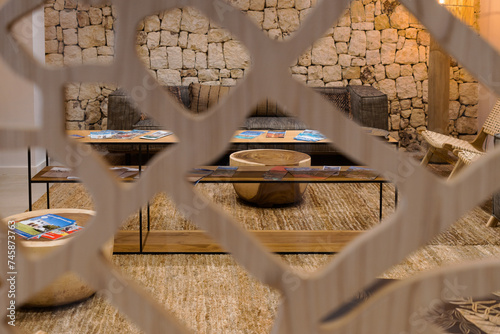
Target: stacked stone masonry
{"x": 375, "y": 42}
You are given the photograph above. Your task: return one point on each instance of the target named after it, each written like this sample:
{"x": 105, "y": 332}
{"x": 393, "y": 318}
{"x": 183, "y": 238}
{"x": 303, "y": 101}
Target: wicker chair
{"x": 438, "y": 141}
{"x": 465, "y": 158}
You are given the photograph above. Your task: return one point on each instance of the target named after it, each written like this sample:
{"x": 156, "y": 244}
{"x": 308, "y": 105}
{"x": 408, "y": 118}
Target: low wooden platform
{"x": 198, "y": 242}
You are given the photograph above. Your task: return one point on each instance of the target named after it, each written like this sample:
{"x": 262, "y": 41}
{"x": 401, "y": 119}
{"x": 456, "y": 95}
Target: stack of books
{"x": 46, "y": 227}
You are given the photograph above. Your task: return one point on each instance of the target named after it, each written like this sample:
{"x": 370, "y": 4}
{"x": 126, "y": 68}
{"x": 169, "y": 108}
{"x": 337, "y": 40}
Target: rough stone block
{"x": 168, "y": 77}
{"x": 174, "y": 57}
{"x": 172, "y": 20}
{"x": 216, "y": 56}
{"x": 168, "y": 38}
{"x": 72, "y": 55}
{"x": 188, "y": 58}
{"x": 236, "y": 55}
{"x": 469, "y": 93}
{"x": 152, "y": 23}
{"x": 193, "y": 21}
{"x": 68, "y": 19}
{"x": 95, "y": 15}
{"x": 324, "y": 52}
{"x": 357, "y": 46}
{"x": 288, "y": 19}
{"x": 198, "y": 42}
{"x": 406, "y": 87}
{"x": 91, "y": 36}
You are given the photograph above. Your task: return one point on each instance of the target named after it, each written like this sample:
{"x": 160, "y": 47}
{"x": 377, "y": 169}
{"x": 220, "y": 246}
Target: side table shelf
{"x": 198, "y": 242}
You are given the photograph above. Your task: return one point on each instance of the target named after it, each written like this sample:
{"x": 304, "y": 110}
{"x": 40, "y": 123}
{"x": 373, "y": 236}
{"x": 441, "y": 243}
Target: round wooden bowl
{"x": 269, "y": 194}
{"x": 68, "y": 288}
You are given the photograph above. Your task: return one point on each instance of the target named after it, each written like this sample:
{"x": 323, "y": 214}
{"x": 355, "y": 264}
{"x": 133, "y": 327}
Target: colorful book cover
{"x": 56, "y": 172}
{"x": 310, "y": 135}
{"x": 301, "y": 172}
{"x": 157, "y": 135}
{"x": 36, "y": 226}
{"x": 306, "y": 172}
{"x": 224, "y": 171}
{"x": 276, "y": 173}
{"x": 275, "y": 134}
{"x": 361, "y": 173}
{"x": 124, "y": 172}
{"x": 249, "y": 134}
{"x": 196, "y": 174}
{"x": 104, "y": 134}
{"x": 62, "y": 232}
{"x": 129, "y": 134}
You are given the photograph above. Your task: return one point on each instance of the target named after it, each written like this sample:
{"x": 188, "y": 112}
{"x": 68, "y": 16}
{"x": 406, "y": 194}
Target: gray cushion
{"x": 274, "y": 123}
{"x": 147, "y": 124}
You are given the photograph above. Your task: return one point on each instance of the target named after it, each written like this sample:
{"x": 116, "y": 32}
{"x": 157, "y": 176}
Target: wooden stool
{"x": 269, "y": 194}
{"x": 68, "y": 288}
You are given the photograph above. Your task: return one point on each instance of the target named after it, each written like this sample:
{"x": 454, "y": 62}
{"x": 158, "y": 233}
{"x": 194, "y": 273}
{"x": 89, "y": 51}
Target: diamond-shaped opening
{"x": 279, "y": 20}
{"x": 107, "y": 118}
{"x": 74, "y": 34}
{"x": 468, "y": 240}
{"x": 184, "y": 270}
{"x": 207, "y": 293}
{"x": 94, "y": 314}
{"x": 180, "y": 47}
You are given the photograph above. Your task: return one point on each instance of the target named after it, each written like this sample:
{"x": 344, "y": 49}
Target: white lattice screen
{"x": 428, "y": 205}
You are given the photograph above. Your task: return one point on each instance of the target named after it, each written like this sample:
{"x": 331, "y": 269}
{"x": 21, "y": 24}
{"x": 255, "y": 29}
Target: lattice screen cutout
{"x": 428, "y": 205}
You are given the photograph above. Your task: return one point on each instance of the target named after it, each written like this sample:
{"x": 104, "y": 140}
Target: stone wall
{"x": 78, "y": 34}
{"x": 376, "y": 42}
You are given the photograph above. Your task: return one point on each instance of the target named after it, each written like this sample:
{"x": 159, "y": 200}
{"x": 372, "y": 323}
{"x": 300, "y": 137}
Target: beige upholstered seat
{"x": 438, "y": 141}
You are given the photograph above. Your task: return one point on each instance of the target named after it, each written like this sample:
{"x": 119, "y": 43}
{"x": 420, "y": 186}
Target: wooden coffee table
{"x": 68, "y": 288}
{"x": 269, "y": 194}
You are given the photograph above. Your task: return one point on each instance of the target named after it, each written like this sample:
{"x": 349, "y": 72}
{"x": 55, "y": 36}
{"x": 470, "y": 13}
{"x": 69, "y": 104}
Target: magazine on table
{"x": 248, "y": 134}
{"x": 58, "y": 172}
{"x": 115, "y": 134}
{"x": 310, "y": 135}
{"x": 156, "y": 135}
{"x": 196, "y": 174}
{"x": 328, "y": 171}
{"x": 275, "y": 134}
{"x": 104, "y": 134}
{"x": 361, "y": 173}
{"x": 35, "y": 227}
{"x": 305, "y": 172}
{"x": 61, "y": 232}
{"x": 124, "y": 172}
{"x": 276, "y": 173}
{"x": 224, "y": 171}
{"x": 129, "y": 134}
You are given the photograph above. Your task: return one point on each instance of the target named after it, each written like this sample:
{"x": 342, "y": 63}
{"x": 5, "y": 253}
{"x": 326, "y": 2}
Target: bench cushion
{"x": 204, "y": 97}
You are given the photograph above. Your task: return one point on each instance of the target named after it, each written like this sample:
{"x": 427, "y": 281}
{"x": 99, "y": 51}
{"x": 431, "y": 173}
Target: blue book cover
{"x": 102, "y": 134}
{"x": 310, "y": 135}
{"x": 34, "y": 227}
{"x": 249, "y": 134}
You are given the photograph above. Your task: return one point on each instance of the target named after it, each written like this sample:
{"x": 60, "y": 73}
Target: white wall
{"x": 20, "y": 100}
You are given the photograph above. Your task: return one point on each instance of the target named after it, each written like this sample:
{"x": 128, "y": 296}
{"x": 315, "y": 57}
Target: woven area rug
{"x": 213, "y": 294}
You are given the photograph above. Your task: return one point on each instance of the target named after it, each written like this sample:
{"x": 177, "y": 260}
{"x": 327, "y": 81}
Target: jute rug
{"x": 213, "y": 294}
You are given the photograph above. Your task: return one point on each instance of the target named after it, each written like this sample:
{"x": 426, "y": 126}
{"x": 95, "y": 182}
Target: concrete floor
{"x": 14, "y": 194}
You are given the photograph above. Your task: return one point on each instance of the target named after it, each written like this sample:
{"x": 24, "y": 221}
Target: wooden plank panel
{"x": 199, "y": 242}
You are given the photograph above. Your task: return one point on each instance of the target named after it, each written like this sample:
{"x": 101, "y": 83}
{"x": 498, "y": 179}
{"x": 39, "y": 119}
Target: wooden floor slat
{"x": 199, "y": 242}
